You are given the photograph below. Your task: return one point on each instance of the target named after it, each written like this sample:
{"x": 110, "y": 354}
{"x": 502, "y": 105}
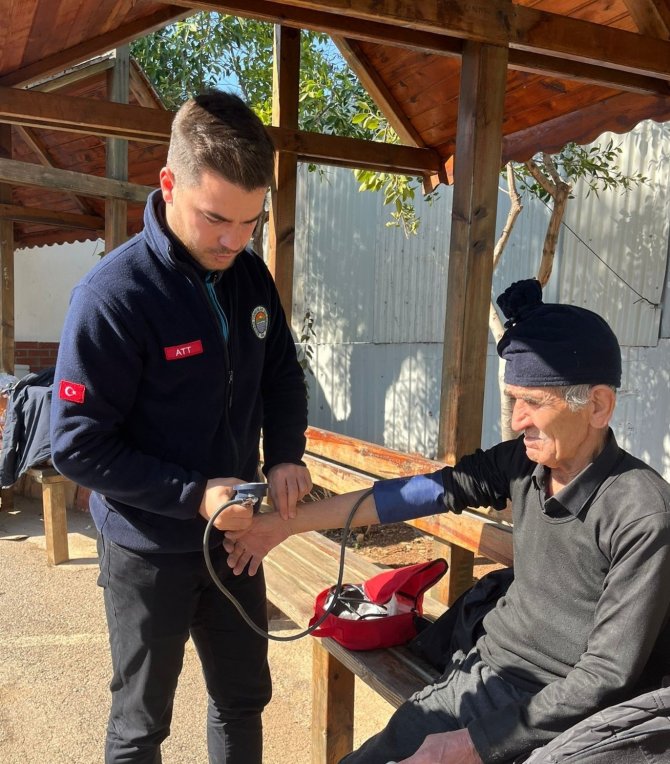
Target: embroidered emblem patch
{"x": 177, "y": 352}
{"x": 71, "y": 391}
{"x": 259, "y": 321}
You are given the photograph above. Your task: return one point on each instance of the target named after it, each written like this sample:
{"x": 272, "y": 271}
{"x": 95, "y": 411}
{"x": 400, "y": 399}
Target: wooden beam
{"x": 38, "y": 216}
{"x": 285, "y": 94}
{"x": 64, "y": 59}
{"x": 477, "y": 166}
{"x": 351, "y": 152}
{"x": 81, "y": 115}
{"x": 559, "y": 40}
{"x": 473, "y": 219}
{"x": 340, "y": 24}
{"x": 6, "y": 264}
{"x": 25, "y": 174}
{"x": 116, "y": 158}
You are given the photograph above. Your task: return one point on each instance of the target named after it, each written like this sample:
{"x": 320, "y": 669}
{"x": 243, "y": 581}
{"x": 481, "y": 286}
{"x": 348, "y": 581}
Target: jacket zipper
{"x": 221, "y": 320}
{"x": 211, "y": 280}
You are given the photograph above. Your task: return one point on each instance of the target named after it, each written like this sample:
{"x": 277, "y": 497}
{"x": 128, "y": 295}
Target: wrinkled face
{"x": 554, "y": 436}
{"x": 214, "y": 219}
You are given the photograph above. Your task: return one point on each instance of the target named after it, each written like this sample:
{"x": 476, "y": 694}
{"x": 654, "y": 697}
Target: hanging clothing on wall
{"x": 25, "y": 437}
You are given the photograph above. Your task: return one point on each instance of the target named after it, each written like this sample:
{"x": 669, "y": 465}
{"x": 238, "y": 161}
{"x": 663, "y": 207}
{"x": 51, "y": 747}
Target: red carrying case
{"x": 380, "y": 612}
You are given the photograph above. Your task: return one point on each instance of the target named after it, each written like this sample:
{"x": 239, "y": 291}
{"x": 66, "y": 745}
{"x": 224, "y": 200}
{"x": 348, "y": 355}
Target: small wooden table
{"x": 53, "y": 508}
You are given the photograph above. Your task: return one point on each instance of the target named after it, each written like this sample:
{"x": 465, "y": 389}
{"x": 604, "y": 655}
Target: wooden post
{"x": 6, "y": 285}
{"x": 6, "y": 264}
{"x": 54, "y": 512}
{"x": 332, "y": 707}
{"x": 476, "y": 171}
{"x": 281, "y": 232}
{"x": 116, "y": 210}
{"x": 55, "y": 522}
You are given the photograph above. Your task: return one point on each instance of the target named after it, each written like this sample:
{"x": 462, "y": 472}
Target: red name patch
{"x": 71, "y": 391}
{"x": 177, "y": 352}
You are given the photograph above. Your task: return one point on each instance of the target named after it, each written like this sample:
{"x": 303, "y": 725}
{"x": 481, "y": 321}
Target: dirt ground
{"x": 55, "y": 670}
{"x": 399, "y": 544}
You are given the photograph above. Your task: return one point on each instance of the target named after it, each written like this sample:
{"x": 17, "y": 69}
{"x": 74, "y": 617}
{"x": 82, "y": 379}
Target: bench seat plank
{"x": 305, "y": 564}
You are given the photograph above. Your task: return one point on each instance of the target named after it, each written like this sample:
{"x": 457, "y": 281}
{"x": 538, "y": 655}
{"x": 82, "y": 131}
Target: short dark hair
{"x": 217, "y": 131}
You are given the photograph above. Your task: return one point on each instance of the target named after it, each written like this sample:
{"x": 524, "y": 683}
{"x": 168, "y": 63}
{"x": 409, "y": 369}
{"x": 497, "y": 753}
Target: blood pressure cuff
{"x": 381, "y": 612}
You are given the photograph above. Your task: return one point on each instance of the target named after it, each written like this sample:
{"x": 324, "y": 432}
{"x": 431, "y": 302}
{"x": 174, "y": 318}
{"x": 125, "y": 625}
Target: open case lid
{"x": 410, "y": 581}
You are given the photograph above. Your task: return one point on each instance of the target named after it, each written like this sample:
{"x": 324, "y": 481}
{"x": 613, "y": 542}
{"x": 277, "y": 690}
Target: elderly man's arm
{"x": 267, "y": 530}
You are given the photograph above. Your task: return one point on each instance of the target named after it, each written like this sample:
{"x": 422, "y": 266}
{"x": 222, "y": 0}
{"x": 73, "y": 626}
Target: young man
{"x": 175, "y": 354}
{"x": 586, "y": 622}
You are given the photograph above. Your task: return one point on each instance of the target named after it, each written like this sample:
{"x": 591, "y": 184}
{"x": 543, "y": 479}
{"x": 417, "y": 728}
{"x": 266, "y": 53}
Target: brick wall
{"x": 36, "y": 355}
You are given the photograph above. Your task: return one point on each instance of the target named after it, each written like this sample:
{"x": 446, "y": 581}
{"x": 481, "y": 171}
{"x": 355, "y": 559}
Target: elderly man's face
{"x": 554, "y": 436}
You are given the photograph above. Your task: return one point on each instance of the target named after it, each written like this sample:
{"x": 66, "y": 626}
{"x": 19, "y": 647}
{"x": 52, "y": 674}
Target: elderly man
{"x": 586, "y": 622}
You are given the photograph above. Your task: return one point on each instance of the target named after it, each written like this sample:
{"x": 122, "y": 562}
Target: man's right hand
{"x": 249, "y": 547}
{"x": 218, "y": 492}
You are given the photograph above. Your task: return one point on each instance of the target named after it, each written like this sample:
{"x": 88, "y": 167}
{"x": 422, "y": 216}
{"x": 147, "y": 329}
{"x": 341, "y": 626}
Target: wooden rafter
{"x": 75, "y": 75}
{"x": 64, "y": 59}
{"x": 541, "y": 41}
{"x": 39, "y": 216}
{"x": 41, "y": 153}
{"x": 376, "y": 88}
{"x": 652, "y": 17}
{"x": 153, "y": 125}
{"x": 553, "y": 134}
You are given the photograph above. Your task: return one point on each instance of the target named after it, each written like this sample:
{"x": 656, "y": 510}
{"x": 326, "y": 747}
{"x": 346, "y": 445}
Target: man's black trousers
{"x": 154, "y": 602}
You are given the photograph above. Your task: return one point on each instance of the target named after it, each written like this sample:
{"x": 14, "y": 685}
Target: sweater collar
{"x": 572, "y": 499}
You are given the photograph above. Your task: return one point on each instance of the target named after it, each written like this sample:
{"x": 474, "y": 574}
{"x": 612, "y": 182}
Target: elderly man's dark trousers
{"x": 154, "y": 602}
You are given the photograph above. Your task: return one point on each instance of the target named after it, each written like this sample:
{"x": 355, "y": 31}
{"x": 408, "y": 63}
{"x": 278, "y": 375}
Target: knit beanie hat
{"x": 551, "y": 345}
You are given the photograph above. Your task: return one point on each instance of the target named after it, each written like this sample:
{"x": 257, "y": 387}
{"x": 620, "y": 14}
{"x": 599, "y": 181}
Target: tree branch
{"x": 512, "y": 215}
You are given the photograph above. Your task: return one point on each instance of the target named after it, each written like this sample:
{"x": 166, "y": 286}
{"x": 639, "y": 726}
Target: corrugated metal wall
{"x": 379, "y": 298}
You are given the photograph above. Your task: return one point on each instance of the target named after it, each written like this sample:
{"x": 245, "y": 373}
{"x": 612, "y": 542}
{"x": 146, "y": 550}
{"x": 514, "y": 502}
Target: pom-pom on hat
{"x": 552, "y": 345}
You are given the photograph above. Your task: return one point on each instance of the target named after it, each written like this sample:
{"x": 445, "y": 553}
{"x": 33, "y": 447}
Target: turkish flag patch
{"x": 71, "y": 391}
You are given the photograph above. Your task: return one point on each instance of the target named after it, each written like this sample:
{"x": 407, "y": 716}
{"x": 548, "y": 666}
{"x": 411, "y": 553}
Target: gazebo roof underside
{"x": 576, "y": 69}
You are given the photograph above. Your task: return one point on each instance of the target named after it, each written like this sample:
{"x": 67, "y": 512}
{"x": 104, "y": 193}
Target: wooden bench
{"x": 53, "y": 510}
{"x": 297, "y": 570}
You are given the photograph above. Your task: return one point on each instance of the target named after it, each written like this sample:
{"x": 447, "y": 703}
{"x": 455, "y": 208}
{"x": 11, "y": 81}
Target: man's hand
{"x": 250, "y": 547}
{"x": 287, "y": 484}
{"x": 218, "y": 492}
{"x": 446, "y": 747}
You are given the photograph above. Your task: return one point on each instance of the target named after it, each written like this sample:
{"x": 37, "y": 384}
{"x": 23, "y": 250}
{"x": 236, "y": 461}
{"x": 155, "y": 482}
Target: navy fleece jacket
{"x": 149, "y": 399}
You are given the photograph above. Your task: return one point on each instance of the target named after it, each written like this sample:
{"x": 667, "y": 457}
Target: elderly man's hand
{"x": 249, "y": 547}
{"x": 287, "y": 484}
{"x": 446, "y": 748}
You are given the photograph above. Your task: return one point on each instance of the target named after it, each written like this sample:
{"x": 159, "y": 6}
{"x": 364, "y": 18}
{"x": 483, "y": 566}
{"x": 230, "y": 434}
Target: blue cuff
{"x": 409, "y": 497}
